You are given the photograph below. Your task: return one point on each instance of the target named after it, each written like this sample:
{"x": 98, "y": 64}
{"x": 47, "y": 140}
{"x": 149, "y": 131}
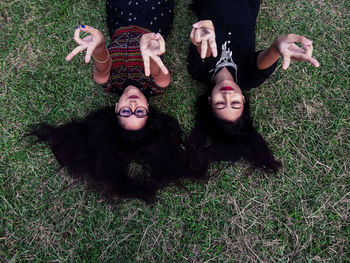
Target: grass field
{"x": 300, "y": 214}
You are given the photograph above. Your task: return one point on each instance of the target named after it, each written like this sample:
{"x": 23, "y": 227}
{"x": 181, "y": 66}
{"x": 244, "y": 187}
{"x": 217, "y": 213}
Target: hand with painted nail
{"x": 202, "y": 36}
{"x": 290, "y": 51}
{"x": 89, "y": 43}
{"x": 152, "y": 46}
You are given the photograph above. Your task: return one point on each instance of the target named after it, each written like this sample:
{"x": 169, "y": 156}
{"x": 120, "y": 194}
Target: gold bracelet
{"x": 101, "y": 61}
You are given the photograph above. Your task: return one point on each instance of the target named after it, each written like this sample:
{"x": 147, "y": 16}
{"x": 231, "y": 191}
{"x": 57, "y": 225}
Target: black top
{"x": 154, "y": 15}
{"x": 234, "y": 22}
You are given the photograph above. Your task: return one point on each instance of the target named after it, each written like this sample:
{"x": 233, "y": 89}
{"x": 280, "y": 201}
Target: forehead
{"x": 132, "y": 122}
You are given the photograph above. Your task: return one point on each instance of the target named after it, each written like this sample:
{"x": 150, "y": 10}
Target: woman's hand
{"x": 89, "y": 43}
{"x": 152, "y": 46}
{"x": 202, "y": 34}
{"x": 290, "y": 51}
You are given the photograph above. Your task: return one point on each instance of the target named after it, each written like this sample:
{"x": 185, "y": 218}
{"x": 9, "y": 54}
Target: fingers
{"x": 161, "y": 42}
{"x": 160, "y": 64}
{"x": 297, "y": 38}
{"x": 197, "y": 36}
{"x": 89, "y": 29}
{"x": 204, "y": 23}
{"x": 88, "y": 55}
{"x": 305, "y": 58}
{"x": 75, "y": 51}
{"x": 286, "y": 62}
{"x": 146, "y": 63}
{"x": 77, "y": 38}
{"x": 204, "y": 47}
{"x": 192, "y": 36}
{"x": 308, "y": 50}
{"x": 213, "y": 47}
{"x": 147, "y": 37}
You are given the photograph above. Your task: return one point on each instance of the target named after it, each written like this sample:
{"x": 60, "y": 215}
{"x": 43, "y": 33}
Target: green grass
{"x": 300, "y": 214}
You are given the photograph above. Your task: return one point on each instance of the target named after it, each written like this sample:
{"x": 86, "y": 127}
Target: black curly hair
{"x": 98, "y": 148}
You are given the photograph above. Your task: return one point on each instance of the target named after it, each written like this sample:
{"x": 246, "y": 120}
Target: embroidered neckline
{"x": 225, "y": 61}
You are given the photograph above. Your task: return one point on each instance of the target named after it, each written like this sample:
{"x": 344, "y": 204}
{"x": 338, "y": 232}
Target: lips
{"x": 226, "y": 88}
{"x": 133, "y": 97}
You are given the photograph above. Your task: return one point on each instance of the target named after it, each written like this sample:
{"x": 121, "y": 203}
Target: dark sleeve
{"x": 256, "y": 77}
{"x": 197, "y": 67}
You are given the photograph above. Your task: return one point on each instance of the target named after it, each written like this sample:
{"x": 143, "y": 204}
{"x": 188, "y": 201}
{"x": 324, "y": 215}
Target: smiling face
{"x": 132, "y": 97}
{"x": 227, "y": 101}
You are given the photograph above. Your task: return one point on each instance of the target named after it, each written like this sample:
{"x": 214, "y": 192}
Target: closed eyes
{"x": 221, "y": 105}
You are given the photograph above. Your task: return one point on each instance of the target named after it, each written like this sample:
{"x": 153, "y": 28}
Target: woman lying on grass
{"x": 222, "y": 56}
{"x": 106, "y": 144}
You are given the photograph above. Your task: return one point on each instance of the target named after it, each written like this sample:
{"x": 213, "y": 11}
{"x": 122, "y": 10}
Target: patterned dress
{"x": 127, "y": 21}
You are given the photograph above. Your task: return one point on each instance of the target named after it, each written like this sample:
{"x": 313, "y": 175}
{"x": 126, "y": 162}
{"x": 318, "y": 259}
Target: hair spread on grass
{"x": 214, "y": 139}
{"x": 98, "y": 148}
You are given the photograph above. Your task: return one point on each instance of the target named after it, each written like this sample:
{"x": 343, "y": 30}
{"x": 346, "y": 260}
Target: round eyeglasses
{"x": 139, "y": 112}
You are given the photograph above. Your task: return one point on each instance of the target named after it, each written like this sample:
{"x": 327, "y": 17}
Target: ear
{"x": 209, "y": 100}
{"x": 243, "y": 99}
{"x": 116, "y": 106}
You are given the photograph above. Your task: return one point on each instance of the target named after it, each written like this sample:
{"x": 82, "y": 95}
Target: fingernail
{"x": 82, "y": 26}
{"x": 195, "y": 24}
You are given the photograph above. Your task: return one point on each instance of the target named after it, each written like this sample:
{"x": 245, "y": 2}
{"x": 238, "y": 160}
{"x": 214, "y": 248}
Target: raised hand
{"x": 152, "y": 46}
{"x": 202, "y": 34}
{"x": 290, "y": 51}
{"x": 88, "y": 43}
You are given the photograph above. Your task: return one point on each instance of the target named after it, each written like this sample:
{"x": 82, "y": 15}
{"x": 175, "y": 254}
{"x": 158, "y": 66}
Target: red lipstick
{"x": 226, "y": 88}
{"x": 133, "y": 97}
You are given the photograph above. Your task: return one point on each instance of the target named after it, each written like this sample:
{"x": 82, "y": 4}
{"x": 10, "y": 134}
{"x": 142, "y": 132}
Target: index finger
{"x": 160, "y": 64}
{"x": 213, "y": 47}
{"x": 146, "y": 63}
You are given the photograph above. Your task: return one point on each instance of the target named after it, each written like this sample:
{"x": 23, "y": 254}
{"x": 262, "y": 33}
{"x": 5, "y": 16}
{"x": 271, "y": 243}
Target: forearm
{"x": 102, "y": 64}
{"x": 161, "y": 79}
{"x": 268, "y": 57}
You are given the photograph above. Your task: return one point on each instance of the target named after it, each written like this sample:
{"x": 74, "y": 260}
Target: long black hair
{"x": 98, "y": 148}
{"x": 213, "y": 139}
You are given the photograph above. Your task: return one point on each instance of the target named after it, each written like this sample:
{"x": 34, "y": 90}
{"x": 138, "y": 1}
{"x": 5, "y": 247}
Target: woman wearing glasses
{"x": 130, "y": 148}
{"x": 223, "y": 57}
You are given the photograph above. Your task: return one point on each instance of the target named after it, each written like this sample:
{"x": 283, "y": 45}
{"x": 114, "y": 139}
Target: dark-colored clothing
{"x": 155, "y": 15}
{"x": 234, "y": 22}
{"x": 127, "y": 21}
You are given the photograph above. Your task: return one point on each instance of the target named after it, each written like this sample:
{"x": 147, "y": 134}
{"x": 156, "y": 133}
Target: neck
{"x": 223, "y": 75}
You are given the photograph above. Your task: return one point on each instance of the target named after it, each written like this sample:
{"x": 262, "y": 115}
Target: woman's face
{"x": 133, "y": 98}
{"x": 227, "y": 101}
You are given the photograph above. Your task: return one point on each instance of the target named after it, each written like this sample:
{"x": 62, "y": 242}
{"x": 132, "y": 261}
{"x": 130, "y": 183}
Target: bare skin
{"x": 226, "y": 97}
{"x": 132, "y": 97}
{"x": 152, "y": 46}
{"x": 228, "y": 103}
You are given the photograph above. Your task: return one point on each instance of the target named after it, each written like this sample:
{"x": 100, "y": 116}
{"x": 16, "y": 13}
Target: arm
{"x": 286, "y": 47}
{"x": 202, "y": 34}
{"x": 94, "y": 44}
{"x": 152, "y": 46}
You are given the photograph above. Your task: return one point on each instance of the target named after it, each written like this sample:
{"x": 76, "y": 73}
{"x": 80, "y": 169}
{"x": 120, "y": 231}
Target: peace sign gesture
{"x": 152, "y": 46}
{"x": 202, "y": 33}
{"x": 88, "y": 43}
{"x": 290, "y": 51}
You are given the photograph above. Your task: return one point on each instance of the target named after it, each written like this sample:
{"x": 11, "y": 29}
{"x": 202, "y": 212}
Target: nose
{"x": 133, "y": 103}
